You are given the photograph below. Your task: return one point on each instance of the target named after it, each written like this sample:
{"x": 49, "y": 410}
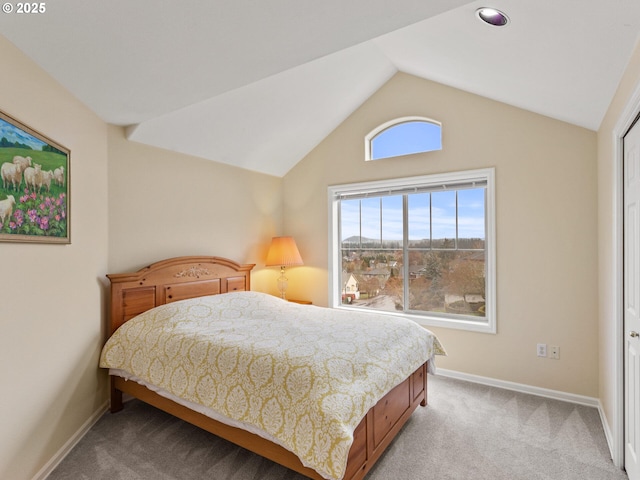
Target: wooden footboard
{"x": 372, "y": 436}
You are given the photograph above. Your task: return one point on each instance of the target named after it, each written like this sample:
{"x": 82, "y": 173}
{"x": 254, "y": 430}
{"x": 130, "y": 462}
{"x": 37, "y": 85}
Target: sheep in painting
{"x": 45, "y": 180}
{"x": 6, "y": 208}
{"x": 11, "y": 175}
{"x": 24, "y": 162}
{"x": 58, "y": 176}
{"x": 32, "y": 176}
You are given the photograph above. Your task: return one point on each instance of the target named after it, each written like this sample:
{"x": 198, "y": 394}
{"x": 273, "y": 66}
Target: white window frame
{"x": 485, "y": 175}
{"x": 392, "y": 123}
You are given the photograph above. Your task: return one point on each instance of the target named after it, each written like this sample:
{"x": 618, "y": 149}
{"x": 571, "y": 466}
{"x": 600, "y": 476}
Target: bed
{"x": 297, "y": 387}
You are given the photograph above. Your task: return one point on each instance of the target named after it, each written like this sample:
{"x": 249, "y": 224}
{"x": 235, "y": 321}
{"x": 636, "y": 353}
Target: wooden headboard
{"x": 171, "y": 280}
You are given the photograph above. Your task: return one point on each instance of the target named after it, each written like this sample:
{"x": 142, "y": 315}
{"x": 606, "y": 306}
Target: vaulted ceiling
{"x": 258, "y": 84}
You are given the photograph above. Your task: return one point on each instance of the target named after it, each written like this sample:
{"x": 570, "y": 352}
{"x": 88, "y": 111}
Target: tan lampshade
{"x": 283, "y": 252}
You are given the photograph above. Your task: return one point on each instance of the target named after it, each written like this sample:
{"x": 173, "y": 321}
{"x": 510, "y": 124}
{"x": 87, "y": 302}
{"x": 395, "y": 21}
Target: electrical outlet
{"x": 542, "y": 349}
{"x": 554, "y": 352}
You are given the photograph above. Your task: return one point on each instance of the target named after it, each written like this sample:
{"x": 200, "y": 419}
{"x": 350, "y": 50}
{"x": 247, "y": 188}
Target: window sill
{"x": 431, "y": 321}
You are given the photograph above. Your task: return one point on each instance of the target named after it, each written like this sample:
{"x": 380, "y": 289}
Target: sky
{"x": 14, "y": 134}
{"x": 442, "y": 221}
{"x": 406, "y": 138}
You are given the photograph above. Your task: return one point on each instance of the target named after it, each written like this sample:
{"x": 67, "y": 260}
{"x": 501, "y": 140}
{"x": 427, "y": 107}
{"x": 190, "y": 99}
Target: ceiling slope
{"x": 560, "y": 59}
{"x": 269, "y": 125}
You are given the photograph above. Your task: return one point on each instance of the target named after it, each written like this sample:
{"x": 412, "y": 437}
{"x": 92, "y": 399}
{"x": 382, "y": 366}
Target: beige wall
{"x": 609, "y": 175}
{"x": 163, "y": 204}
{"x": 51, "y": 302}
{"x": 546, "y": 224}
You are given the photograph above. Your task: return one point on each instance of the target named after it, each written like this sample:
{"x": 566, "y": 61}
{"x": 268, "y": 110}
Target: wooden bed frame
{"x": 187, "y": 277}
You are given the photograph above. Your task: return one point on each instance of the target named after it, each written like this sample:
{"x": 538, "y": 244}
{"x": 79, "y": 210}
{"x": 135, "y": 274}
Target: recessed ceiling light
{"x": 492, "y": 16}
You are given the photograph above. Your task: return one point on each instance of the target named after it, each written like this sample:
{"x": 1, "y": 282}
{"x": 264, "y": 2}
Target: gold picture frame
{"x": 34, "y": 186}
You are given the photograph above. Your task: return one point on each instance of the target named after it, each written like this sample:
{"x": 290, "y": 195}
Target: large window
{"x": 420, "y": 246}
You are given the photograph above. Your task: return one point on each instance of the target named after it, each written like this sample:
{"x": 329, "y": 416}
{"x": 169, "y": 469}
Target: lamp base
{"x": 283, "y": 283}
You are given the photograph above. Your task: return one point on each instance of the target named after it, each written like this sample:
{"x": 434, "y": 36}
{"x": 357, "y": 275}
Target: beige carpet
{"x": 468, "y": 431}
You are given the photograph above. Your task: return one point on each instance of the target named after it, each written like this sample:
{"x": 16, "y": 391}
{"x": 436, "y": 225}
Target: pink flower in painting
{"x": 19, "y": 217}
{"x": 44, "y": 223}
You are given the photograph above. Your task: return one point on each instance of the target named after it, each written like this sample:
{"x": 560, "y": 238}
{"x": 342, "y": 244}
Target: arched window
{"x": 403, "y": 136}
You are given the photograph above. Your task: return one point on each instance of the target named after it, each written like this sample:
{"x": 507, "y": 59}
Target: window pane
{"x": 390, "y": 297}
{"x": 392, "y": 231}
{"x": 372, "y": 279}
{"x": 447, "y": 280}
{"x": 406, "y": 138}
{"x": 350, "y": 222}
{"x": 370, "y": 222}
{"x": 443, "y": 223}
{"x": 371, "y": 274}
{"x": 450, "y": 282}
{"x": 426, "y": 290}
{"x": 465, "y": 284}
{"x": 471, "y": 222}
{"x": 419, "y": 220}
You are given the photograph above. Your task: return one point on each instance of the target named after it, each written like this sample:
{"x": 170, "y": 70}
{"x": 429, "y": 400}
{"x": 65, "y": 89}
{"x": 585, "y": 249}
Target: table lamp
{"x": 283, "y": 253}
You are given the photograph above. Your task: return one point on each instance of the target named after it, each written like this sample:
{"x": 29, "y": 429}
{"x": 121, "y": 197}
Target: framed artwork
{"x": 34, "y": 191}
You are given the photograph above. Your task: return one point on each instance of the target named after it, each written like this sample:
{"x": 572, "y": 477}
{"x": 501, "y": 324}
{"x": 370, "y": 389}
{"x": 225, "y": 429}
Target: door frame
{"x": 625, "y": 121}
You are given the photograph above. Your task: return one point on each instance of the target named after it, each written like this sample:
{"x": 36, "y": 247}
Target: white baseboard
{"x": 521, "y": 387}
{"x": 72, "y": 442}
{"x": 608, "y": 434}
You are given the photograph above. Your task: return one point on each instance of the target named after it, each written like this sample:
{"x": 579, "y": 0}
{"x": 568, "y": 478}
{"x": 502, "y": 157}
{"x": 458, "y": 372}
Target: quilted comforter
{"x": 299, "y": 375}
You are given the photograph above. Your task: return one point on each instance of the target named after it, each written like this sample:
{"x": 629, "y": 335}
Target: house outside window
{"x": 422, "y": 247}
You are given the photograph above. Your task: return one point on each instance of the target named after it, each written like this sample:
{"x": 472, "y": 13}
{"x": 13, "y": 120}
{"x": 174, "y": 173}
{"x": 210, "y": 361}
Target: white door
{"x": 632, "y": 301}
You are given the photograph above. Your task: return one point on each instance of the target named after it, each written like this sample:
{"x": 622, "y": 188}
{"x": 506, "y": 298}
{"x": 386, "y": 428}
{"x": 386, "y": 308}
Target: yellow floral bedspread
{"x": 305, "y": 375}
